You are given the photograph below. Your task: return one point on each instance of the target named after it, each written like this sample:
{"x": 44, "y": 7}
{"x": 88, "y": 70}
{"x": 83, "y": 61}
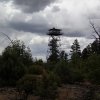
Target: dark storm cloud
{"x": 5, "y": 0}
{"x": 72, "y": 33}
{"x": 30, "y": 27}
{"x": 30, "y": 6}
{"x": 27, "y": 19}
{"x": 41, "y": 29}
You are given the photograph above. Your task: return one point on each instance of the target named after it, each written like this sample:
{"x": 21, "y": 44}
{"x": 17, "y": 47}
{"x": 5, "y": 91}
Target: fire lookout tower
{"x": 54, "y": 44}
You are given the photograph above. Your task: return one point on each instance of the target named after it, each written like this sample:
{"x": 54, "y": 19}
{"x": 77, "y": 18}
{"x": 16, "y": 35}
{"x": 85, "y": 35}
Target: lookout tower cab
{"x": 54, "y": 32}
{"x": 54, "y": 44}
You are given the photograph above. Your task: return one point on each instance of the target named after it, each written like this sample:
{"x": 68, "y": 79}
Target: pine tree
{"x": 87, "y": 52}
{"x": 54, "y": 51}
{"x": 75, "y": 50}
{"x": 63, "y": 56}
{"x": 96, "y": 46}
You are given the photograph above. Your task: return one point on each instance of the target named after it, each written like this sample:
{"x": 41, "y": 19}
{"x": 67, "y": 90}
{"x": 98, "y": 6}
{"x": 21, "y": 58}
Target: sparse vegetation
{"x": 19, "y": 70}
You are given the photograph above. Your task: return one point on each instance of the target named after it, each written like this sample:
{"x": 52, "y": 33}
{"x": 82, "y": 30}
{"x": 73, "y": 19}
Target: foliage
{"x": 75, "y": 51}
{"x": 76, "y": 48}
{"x": 96, "y": 47}
{"x": 28, "y": 84}
{"x": 63, "y": 72}
{"x": 15, "y": 59}
{"x": 38, "y": 62}
{"x": 18, "y": 51}
{"x": 63, "y": 56}
{"x": 35, "y": 70}
{"x": 92, "y": 69}
{"x": 49, "y": 86}
{"x": 43, "y": 79}
{"x": 87, "y": 52}
{"x": 54, "y": 51}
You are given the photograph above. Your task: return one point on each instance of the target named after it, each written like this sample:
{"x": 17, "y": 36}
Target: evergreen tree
{"x": 96, "y": 46}
{"x": 15, "y": 59}
{"x": 54, "y": 51}
{"x": 63, "y": 56}
{"x": 87, "y": 52}
{"x": 75, "y": 50}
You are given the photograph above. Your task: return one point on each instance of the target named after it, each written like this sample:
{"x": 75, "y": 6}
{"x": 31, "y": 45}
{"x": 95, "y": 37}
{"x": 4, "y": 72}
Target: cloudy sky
{"x": 29, "y": 21}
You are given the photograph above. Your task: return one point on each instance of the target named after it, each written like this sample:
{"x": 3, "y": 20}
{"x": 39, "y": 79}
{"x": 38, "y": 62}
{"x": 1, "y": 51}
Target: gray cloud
{"x": 39, "y": 50}
{"x": 55, "y": 9}
{"x": 37, "y": 16}
{"x": 41, "y": 29}
{"x": 30, "y": 6}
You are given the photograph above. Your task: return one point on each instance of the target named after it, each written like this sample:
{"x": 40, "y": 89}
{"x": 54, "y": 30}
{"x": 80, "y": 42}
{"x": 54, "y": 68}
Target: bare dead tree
{"x": 7, "y": 37}
{"x": 96, "y": 43}
{"x": 95, "y": 30}
{"x": 95, "y": 37}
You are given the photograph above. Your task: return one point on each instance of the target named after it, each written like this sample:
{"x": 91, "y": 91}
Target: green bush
{"x": 29, "y": 85}
{"x": 63, "y": 72}
{"x": 49, "y": 86}
{"x": 14, "y": 61}
{"x": 35, "y": 70}
{"x": 92, "y": 69}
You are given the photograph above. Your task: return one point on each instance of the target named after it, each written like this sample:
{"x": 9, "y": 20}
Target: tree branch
{"x": 7, "y": 37}
{"x": 92, "y": 24}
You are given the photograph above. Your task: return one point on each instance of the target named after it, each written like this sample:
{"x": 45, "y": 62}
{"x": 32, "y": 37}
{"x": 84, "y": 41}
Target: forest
{"x": 19, "y": 70}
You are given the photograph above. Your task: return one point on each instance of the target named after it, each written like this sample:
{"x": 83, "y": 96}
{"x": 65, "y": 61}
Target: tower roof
{"x": 54, "y": 32}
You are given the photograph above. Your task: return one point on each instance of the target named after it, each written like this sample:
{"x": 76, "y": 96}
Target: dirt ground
{"x": 66, "y": 92}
